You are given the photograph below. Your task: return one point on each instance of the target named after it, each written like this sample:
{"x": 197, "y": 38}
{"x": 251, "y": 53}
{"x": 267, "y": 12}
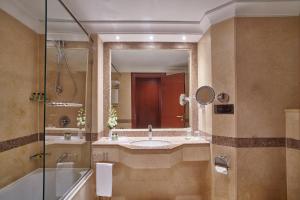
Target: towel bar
{"x": 104, "y": 198}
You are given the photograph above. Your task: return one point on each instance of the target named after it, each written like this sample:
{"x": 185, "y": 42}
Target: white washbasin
{"x": 151, "y": 143}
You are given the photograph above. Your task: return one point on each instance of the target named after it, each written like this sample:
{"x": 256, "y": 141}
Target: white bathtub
{"x": 30, "y": 187}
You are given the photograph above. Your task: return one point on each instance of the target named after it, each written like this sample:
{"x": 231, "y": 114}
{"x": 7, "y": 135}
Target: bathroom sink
{"x": 151, "y": 143}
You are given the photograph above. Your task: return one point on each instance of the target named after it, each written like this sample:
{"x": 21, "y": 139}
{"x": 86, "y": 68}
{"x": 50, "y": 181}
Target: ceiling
{"x": 142, "y": 16}
{"x": 150, "y": 60}
{"x": 140, "y": 20}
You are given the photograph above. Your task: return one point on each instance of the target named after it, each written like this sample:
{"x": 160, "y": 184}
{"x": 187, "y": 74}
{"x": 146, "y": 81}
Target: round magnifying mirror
{"x": 205, "y": 95}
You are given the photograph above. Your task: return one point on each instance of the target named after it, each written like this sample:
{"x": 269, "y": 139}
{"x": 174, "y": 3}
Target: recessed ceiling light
{"x": 117, "y": 37}
{"x": 184, "y": 38}
{"x": 151, "y": 37}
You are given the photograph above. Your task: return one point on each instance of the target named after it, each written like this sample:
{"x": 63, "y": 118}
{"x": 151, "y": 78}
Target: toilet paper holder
{"x": 221, "y": 164}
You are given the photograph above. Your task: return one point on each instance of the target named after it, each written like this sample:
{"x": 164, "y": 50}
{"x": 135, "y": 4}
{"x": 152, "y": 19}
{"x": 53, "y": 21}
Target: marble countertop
{"x": 50, "y": 140}
{"x": 175, "y": 141}
{"x": 56, "y": 129}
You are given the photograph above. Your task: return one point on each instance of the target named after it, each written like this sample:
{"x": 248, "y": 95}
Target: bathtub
{"x": 57, "y": 185}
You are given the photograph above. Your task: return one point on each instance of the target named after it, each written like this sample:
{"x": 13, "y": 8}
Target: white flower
{"x": 81, "y": 117}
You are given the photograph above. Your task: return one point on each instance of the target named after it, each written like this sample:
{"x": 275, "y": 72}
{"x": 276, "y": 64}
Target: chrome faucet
{"x": 63, "y": 157}
{"x": 150, "y": 132}
{"x": 38, "y": 156}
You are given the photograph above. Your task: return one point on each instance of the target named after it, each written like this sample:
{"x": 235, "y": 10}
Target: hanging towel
{"x": 104, "y": 179}
{"x": 65, "y": 165}
{"x": 65, "y": 177}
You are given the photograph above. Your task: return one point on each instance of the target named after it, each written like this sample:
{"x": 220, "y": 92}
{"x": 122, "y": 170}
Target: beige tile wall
{"x": 15, "y": 163}
{"x": 267, "y": 65}
{"x": 186, "y": 181}
{"x": 224, "y": 187}
{"x": 292, "y": 123}
{"x": 223, "y": 73}
{"x": 293, "y": 173}
{"x": 19, "y": 59}
{"x": 261, "y": 173}
{"x": 222, "y": 36}
{"x": 256, "y": 61}
{"x": 205, "y": 78}
{"x": 293, "y": 155}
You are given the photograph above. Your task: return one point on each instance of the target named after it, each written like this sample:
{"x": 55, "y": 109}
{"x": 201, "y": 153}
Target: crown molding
{"x": 268, "y": 8}
{"x": 248, "y": 8}
{"x": 16, "y": 10}
{"x": 238, "y": 8}
{"x": 235, "y": 8}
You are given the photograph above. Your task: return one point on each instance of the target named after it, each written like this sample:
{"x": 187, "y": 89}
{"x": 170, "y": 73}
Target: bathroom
{"x": 131, "y": 100}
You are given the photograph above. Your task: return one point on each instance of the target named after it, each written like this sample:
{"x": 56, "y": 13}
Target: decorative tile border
{"x": 248, "y": 142}
{"x": 293, "y": 143}
{"x": 224, "y": 141}
{"x": 24, "y": 140}
{"x": 218, "y": 140}
{"x": 260, "y": 142}
{"x": 91, "y": 136}
{"x": 41, "y": 136}
{"x": 17, "y": 142}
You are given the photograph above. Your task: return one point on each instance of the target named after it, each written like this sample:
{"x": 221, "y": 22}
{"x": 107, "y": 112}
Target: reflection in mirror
{"x": 205, "y": 95}
{"x": 66, "y": 82}
{"x": 146, "y": 85}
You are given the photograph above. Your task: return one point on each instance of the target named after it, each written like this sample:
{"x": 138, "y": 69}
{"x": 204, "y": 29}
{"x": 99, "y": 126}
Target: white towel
{"x": 104, "y": 179}
{"x": 65, "y": 165}
{"x": 65, "y": 177}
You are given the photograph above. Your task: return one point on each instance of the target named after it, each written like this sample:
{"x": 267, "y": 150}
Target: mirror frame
{"x": 193, "y": 74}
{"x": 208, "y": 102}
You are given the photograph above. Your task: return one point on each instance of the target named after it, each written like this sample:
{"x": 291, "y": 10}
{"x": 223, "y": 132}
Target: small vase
{"x": 110, "y": 134}
{"x": 80, "y": 133}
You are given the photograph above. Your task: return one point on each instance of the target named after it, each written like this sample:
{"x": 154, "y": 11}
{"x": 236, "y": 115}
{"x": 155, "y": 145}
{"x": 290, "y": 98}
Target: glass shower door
{"x": 67, "y": 142}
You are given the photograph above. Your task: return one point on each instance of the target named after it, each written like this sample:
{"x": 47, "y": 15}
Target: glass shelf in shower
{"x": 64, "y": 104}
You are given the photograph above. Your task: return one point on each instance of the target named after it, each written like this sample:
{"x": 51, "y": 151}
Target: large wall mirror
{"x": 142, "y": 82}
{"x": 146, "y": 85}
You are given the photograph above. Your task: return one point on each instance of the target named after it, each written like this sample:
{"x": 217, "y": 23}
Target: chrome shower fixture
{"x": 62, "y": 61}
{"x": 58, "y": 87}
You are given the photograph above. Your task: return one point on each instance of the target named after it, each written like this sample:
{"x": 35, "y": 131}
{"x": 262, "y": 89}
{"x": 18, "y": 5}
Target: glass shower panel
{"x": 67, "y": 142}
{"x": 22, "y": 42}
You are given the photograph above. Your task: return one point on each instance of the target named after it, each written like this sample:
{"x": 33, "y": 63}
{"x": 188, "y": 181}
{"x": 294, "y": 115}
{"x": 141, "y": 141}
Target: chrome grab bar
{"x": 38, "y": 156}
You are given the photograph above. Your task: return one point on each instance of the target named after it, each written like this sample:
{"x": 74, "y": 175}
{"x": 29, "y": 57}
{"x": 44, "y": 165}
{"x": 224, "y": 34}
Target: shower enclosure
{"x": 45, "y": 65}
